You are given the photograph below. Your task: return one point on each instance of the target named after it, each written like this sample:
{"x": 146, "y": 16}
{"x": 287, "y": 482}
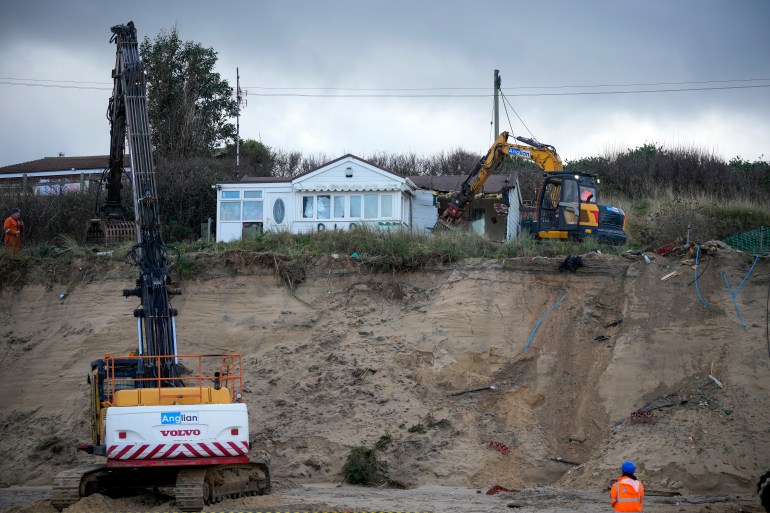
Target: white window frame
{"x": 347, "y": 206}
{"x": 360, "y": 206}
{"x": 230, "y": 197}
{"x": 334, "y": 206}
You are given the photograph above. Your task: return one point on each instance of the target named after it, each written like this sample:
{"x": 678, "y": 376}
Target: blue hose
{"x": 756, "y": 257}
{"x": 541, "y": 321}
{"x": 697, "y": 255}
{"x": 733, "y": 294}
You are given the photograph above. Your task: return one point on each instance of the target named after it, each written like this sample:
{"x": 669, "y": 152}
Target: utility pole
{"x": 241, "y": 103}
{"x": 498, "y": 81}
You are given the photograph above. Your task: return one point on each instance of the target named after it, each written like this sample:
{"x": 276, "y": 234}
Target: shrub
{"x": 361, "y": 467}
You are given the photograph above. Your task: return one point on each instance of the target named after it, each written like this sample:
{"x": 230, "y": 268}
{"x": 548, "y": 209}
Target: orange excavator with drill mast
{"x": 159, "y": 419}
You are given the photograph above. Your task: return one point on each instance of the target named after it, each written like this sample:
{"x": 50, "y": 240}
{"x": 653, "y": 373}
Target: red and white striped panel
{"x": 177, "y": 450}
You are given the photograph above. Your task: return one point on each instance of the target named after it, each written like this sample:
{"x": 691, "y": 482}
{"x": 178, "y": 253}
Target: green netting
{"x": 756, "y": 242}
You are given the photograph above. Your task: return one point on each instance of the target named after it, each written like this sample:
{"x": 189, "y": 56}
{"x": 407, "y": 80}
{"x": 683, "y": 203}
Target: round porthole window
{"x": 279, "y": 211}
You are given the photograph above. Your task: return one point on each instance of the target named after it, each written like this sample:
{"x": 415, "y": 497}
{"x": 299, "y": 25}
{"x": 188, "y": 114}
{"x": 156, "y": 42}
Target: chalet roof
{"x": 452, "y": 183}
{"x": 61, "y": 164}
{"x": 347, "y": 155}
{"x": 288, "y": 179}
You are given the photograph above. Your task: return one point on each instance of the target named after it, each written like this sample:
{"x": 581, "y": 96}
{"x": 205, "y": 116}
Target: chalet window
{"x": 324, "y": 207}
{"x": 386, "y": 205}
{"x": 252, "y": 210}
{"x": 230, "y": 211}
{"x": 370, "y": 206}
{"x": 279, "y": 210}
{"x": 233, "y": 208}
{"x": 308, "y": 207}
{"x": 366, "y": 206}
{"x": 339, "y": 207}
{"x": 355, "y": 207}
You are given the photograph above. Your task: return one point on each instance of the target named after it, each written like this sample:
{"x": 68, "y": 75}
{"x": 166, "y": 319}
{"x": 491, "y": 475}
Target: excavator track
{"x": 68, "y": 486}
{"x": 197, "y": 487}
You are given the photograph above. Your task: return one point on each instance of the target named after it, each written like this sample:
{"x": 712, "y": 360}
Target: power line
{"x": 50, "y": 80}
{"x": 644, "y": 91}
{"x": 505, "y": 100}
{"x": 56, "y": 86}
{"x": 487, "y": 95}
{"x": 577, "y": 93}
{"x": 641, "y": 84}
{"x": 363, "y": 89}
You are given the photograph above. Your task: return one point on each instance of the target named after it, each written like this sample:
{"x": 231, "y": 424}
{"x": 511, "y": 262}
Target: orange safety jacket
{"x": 627, "y": 494}
{"x": 12, "y": 231}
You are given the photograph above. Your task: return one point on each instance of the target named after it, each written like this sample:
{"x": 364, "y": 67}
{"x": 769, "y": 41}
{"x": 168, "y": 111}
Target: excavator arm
{"x": 544, "y": 155}
{"x": 156, "y": 327}
{"x": 110, "y": 224}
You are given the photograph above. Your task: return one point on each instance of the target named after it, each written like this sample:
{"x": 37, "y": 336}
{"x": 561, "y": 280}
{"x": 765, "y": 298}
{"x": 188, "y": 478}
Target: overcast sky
{"x": 405, "y": 49}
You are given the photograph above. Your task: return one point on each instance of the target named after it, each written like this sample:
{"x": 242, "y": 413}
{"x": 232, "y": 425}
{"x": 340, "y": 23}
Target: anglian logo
{"x": 180, "y": 432}
{"x": 176, "y": 417}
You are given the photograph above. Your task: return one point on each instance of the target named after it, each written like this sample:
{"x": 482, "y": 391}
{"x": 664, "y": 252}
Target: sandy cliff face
{"x": 350, "y": 356}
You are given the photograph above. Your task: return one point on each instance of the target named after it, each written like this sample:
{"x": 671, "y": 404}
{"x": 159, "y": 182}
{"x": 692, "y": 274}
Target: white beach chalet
{"x": 341, "y": 194}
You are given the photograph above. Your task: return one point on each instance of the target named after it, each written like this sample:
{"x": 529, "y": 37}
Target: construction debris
{"x": 571, "y": 263}
{"x": 461, "y": 392}
{"x": 642, "y": 417}
{"x": 562, "y": 460}
{"x": 715, "y": 380}
{"x": 499, "y": 447}
{"x": 670, "y": 275}
{"x": 668, "y": 248}
{"x": 664, "y": 402}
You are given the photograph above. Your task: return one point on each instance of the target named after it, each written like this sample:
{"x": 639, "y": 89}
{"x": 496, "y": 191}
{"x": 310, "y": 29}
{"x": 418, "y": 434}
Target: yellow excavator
{"x": 567, "y": 203}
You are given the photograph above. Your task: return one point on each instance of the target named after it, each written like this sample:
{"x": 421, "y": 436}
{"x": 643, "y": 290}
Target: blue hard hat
{"x": 14, "y": 210}
{"x": 628, "y": 467}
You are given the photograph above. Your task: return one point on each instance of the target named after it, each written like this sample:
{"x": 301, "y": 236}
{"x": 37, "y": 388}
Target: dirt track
{"x": 352, "y": 355}
{"x": 330, "y": 497}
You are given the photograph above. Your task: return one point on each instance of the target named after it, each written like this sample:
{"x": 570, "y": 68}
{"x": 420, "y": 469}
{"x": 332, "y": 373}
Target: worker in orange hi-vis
{"x": 627, "y": 493}
{"x": 12, "y": 228}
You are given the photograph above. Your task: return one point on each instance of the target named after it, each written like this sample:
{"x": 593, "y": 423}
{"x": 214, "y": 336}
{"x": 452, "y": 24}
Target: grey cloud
{"x": 399, "y": 43}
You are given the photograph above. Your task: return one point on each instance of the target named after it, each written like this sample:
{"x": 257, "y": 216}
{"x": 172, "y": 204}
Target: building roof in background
{"x": 452, "y": 183}
{"x": 62, "y": 164}
{"x": 265, "y": 179}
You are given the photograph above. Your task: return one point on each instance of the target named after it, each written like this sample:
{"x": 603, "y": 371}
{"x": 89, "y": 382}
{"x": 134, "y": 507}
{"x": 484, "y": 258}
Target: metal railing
{"x": 199, "y": 372}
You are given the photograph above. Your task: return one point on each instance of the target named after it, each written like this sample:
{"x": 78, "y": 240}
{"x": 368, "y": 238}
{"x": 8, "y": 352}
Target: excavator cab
{"x": 567, "y": 208}
{"x": 559, "y": 204}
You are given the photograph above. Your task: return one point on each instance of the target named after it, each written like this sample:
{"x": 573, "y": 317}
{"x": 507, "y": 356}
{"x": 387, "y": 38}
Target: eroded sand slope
{"x": 352, "y": 355}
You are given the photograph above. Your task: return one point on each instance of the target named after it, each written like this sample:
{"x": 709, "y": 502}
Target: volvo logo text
{"x": 180, "y": 432}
